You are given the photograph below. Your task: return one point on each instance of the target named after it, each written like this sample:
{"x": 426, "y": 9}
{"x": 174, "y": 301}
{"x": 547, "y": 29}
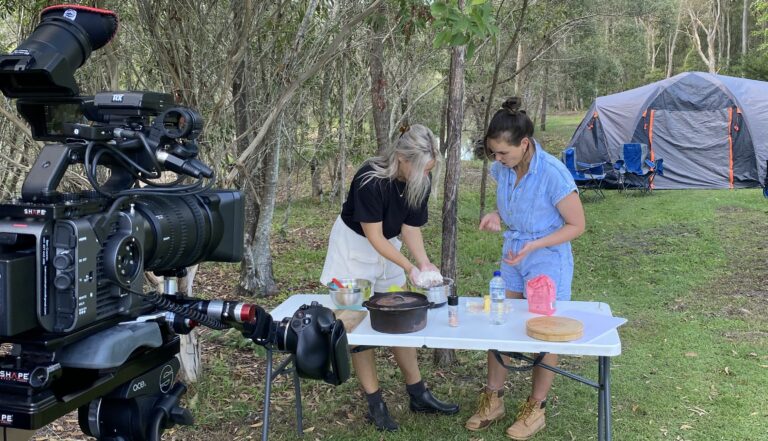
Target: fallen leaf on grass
{"x": 686, "y": 427}
{"x": 309, "y": 429}
{"x": 697, "y": 410}
{"x": 257, "y": 425}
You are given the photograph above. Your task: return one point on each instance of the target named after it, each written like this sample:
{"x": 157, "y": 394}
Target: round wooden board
{"x": 554, "y": 328}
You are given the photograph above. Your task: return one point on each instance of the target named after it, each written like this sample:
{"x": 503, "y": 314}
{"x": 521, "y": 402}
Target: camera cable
{"x": 153, "y": 188}
{"x": 167, "y": 304}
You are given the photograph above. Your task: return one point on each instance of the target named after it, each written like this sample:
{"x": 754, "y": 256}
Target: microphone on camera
{"x": 189, "y": 167}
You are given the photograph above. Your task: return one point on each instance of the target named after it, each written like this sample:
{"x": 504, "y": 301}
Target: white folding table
{"x": 475, "y": 332}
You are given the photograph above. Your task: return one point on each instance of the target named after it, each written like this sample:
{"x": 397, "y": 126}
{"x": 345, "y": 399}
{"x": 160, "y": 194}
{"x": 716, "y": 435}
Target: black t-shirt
{"x": 380, "y": 200}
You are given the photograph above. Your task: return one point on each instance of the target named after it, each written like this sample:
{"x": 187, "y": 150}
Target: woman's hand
{"x": 413, "y": 276}
{"x": 491, "y": 222}
{"x": 428, "y": 266}
{"x": 514, "y": 259}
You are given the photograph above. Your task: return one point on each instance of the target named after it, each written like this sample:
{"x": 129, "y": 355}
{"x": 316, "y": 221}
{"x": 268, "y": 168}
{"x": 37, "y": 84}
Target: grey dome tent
{"x": 711, "y": 130}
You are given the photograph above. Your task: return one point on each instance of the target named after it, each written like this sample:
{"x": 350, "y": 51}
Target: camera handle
{"x": 48, "y": 170}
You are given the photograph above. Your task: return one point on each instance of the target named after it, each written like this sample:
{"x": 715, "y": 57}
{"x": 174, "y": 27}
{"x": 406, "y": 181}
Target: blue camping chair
{"x": 635, "y": 170}
{"x": 765, "y": 184}
{"x": 587, "y": 176}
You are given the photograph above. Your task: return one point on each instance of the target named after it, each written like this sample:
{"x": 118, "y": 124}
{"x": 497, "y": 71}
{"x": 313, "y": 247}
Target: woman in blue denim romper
{"x": 539, "y": 206}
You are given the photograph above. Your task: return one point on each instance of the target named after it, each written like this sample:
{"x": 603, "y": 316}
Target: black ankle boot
{"x": 379, "y": 416}
{"x": 427, "y": 403}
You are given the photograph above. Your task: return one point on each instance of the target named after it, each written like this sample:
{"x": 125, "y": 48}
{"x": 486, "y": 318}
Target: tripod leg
{"x": 267, "y": 392}
{"x": 297, "y": 393}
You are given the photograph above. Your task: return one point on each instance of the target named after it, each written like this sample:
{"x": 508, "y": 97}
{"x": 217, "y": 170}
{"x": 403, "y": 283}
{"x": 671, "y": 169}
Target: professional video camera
{"x": 77, "y": 330}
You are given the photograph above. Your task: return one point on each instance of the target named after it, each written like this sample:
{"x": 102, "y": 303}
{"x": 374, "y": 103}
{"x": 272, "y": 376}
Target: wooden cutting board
{"x": 350, "y": 318}
{"x": 554, "y": 328}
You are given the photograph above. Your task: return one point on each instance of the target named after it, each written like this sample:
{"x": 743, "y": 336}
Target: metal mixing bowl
{"x": 352, "y": 295}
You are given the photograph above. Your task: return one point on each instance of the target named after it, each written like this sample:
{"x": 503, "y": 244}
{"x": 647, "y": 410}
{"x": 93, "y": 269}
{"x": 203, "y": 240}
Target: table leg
{"x": 267, "y": 392}
{"x": 607, "y": 400}
{"x": 604, "y": 399}
{"x": 600, "y": 401}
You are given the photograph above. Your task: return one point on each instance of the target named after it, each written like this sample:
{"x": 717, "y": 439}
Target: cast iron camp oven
{"x": 398, "y": 312}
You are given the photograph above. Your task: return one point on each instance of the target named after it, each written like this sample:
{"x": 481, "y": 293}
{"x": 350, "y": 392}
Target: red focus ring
{"x": 247, "y": 313}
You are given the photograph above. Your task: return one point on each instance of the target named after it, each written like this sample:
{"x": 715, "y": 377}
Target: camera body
{"x": 61, "y": 270}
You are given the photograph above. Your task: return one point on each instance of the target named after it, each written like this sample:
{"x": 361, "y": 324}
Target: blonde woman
{"x": 388, "y": 198}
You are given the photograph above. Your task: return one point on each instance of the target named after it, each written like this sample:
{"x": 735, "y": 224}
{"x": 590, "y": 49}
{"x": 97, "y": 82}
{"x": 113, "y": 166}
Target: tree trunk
{"x": 380, "y": 109}
{"x": 727, "y": 39}
{"x": 404, "y": 120}
{"x": 518, "y": 63}
{"x": 452, "y": 174}
{"x": 342, "y": 177}
{"x": 256, "y": 277}
{"x": 710, "y": 58}
{"x": 652, "y": 32}
{"x": 443, "y": 118}
{"x": 744, "y": 29}
{"x": 673, "y": 44}
{"x": 322, "y": 132}
{"x": 544, "y": 89}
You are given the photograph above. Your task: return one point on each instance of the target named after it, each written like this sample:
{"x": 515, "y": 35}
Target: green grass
{"x": 687, "y": 268}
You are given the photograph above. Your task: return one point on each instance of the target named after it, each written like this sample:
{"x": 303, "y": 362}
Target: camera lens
{"x": 182, "y": 231}
{"x": 285, "y": 337}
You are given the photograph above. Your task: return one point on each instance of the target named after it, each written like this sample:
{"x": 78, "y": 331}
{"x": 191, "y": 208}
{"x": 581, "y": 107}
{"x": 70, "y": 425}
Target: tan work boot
{"x": 490, "y": 408}
{"x": 530, "y": 420}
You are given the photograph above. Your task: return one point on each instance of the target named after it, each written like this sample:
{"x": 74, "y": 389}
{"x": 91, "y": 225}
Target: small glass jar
{"x": 453, "y": 311}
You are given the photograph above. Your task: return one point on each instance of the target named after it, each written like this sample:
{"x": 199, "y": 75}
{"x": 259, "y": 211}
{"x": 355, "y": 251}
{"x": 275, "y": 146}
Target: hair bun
{"x": 512, "y": 104}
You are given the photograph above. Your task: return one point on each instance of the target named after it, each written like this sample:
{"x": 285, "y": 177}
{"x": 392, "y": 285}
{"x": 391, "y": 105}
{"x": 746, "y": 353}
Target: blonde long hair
{"x": 417, "y": 145}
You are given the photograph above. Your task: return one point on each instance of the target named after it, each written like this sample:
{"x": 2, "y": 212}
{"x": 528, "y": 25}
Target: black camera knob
{"x": 63, "y": 261}
{"x": 62, "y": 281}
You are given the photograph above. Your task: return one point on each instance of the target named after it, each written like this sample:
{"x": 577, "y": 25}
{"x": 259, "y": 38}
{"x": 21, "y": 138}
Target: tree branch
{"x": 328, "y": 55}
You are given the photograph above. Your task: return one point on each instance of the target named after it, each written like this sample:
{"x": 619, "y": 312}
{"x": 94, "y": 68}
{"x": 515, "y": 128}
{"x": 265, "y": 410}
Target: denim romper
{"x": 529, "y": 212}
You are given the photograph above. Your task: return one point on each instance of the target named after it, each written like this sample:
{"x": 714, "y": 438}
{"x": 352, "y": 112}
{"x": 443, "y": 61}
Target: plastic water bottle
{"x": 498, "y": 293}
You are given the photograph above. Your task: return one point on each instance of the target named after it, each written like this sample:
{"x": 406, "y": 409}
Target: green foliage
{"x": 760, "y": 9}
{"x": 755, "y": 66}
{"x": 468, "y": 27}
{"x": 654, "y": 75}
{"x": 693, "y": 62}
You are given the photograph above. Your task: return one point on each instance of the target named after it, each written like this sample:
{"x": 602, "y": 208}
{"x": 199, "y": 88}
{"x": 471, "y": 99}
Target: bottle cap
{"x": 453, "y": 300}
{"x": 496, "y": 273}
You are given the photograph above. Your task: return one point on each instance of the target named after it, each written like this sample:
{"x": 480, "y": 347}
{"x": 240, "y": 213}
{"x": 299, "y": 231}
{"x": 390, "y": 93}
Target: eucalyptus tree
{"x": 705, "y": 17}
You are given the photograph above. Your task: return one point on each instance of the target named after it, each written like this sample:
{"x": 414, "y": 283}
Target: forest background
{"x": 296, "y": 94}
